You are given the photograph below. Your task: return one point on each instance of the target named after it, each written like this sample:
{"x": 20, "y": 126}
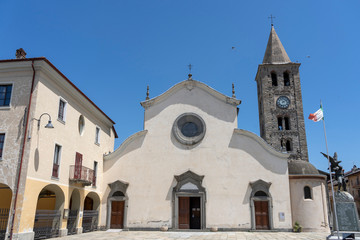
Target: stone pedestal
{"x": 346, "y": 212}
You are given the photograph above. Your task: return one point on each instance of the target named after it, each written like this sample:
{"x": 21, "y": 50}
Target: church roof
{"x": 190, "y": 84}
{"x": 275, "y": 52}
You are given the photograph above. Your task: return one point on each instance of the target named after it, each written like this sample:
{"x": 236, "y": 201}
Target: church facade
{"x": 189, "y": 168}
{"x": 192, "y": 168}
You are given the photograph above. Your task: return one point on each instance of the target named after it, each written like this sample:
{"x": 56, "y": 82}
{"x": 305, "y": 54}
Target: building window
{"x": 288, "y": 146}
{"x": 62, "y": 110}
{"x": 81, "y": 124}
{"x": 274, "y": 79}
{"x": 2, "y": 140}
{"x": 286, "y": 79}
{"x": 5, "y": 95}
{"x": 287, "y": 123}
{"x": 95, "y": 173}
{"x": 56, "y": 163}
{"x": 307, "y": 192}
{"x": 280, "y": 123}
{"x": 283, "y": 123}
{"x": 97, "y": 135}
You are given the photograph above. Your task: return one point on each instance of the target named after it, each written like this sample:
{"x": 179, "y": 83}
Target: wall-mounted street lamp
{"x": 49, "y": 125}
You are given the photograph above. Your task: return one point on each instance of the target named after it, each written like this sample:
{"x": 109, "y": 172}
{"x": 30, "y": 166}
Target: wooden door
{"x": 184, "y": 212}
{"x": 261, "y": 215}
{"x": 117, "y": 214}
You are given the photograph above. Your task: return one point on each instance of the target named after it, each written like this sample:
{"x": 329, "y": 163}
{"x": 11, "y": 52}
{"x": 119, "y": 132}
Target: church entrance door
{"x": 117, "y": 214}
{"x": 262, "y": 215}
{"x": 189, "y": 213}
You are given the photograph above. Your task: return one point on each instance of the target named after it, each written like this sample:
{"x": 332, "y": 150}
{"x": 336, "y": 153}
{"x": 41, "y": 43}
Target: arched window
{"x": 286, "y": 79}
{"x": 288, "y": 146}
{"x": 280, "y": 123}
{"x": 260, "y": 194}
{"x": 287, "y": 123}
{"x": 307, "y": 192}
{"x": 118, "y": 194}
{"x": 274, "y": 79}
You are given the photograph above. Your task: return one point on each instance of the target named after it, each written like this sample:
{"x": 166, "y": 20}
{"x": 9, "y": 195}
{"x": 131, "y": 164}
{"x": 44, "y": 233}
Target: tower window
{"x": 274, "y": 79}
{"x": 287, "y": 123}
{"x": 280, "y": 125}
{"x": 307, "y": 192}
{"x": 286, "y": 79}
{"x": 288, "y": 146}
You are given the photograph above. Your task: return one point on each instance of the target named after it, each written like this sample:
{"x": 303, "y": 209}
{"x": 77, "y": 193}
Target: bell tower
{"x": 281, "y": 114}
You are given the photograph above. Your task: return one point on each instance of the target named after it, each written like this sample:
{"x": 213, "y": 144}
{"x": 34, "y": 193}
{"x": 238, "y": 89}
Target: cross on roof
{"x": 271, "y": 17}
{"x": 190, "y": 66}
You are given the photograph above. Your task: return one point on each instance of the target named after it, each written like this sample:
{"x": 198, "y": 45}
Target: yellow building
{"x": 58, "y": 136}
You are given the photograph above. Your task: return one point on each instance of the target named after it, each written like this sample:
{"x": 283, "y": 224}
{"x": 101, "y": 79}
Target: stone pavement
{"x": 152, "y": 235}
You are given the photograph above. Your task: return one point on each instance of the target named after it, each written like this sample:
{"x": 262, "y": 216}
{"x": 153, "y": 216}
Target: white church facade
{"x": 190, "y": 167}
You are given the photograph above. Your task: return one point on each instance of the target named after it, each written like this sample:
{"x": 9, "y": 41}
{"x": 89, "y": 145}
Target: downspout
{"x": 22, "y": 151}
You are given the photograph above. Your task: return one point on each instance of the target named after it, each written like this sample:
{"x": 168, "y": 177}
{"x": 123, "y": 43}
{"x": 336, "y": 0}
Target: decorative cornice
{"x": 123, "y": 145}
{"x": 190, "y": 85}
{"x": 263, "y": 143}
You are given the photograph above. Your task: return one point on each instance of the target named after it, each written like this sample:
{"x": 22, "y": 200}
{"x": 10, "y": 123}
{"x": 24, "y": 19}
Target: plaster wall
{"x": 12, "y": 117}
{"x": 228, "y": 160}
{"x": 311, "y": 214}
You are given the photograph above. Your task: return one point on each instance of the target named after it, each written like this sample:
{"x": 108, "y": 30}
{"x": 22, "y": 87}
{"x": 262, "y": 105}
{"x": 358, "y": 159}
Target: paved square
{"x": 151, "y": 235}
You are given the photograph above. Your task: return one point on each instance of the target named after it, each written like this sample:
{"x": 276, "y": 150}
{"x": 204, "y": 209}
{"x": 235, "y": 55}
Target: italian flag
{"x": 317, "y": 116}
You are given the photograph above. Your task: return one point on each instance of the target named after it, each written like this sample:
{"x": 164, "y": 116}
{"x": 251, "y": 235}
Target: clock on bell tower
{"x": 281, "y": 114}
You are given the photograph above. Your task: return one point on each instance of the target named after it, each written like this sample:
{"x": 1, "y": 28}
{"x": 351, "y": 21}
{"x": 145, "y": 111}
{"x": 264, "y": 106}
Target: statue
{"x": 339, "y": 172}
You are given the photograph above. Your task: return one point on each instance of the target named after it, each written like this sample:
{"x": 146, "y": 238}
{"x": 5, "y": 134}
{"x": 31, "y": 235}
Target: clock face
{"x": 283, "y": 102}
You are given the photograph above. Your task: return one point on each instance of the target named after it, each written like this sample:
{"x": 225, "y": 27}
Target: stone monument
{"x": 346, "y": 213}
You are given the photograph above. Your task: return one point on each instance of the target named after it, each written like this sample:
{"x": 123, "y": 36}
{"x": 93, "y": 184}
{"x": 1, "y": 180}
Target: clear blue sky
{"x": 113, "y": 49}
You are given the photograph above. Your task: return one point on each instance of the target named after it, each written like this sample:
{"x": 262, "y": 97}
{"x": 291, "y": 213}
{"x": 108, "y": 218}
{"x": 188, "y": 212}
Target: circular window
{"x": 81, "y": 124}
{"x": 189, "y": 128}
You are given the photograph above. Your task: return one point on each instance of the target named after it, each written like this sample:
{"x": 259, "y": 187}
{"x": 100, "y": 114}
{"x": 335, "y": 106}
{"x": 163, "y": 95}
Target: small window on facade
{"x": 95, "y": 173}
{"x": 81, "y": 124}
{"x": 288, "y": 146}
{"x": 307, "y": 192}
{"x": 62, "y": 110}
{"x": 286, "y": 79}
{"x": 97, "y": 135}
{"x": 274, "y": 79}
{"x": 260, "y": 194}
{"x": 2, "y": 140}
{"x": 5, "y": 95}
{"x": 280, "y": 123}
{"x": 56, "y": 163}
{"x": 287, "y": 123}
{"x": 118, "y": 194}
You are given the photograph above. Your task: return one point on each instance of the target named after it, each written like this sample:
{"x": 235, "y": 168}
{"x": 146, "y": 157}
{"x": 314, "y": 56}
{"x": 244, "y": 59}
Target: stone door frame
{"x": 193, "y": 178}
{"x": 256, "y": 186}
{"x": 115, "y": 187}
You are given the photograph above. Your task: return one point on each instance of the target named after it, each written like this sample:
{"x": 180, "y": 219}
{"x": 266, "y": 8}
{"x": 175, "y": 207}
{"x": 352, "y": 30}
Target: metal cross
{"x": 190, "y": 66}
{"x": 271, "y": 17}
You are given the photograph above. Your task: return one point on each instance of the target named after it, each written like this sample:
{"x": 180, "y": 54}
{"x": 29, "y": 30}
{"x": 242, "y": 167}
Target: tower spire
{"x": 275, "y": 52}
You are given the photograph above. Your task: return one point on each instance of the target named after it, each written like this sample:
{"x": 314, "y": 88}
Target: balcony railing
{"x": 80, "y": 174}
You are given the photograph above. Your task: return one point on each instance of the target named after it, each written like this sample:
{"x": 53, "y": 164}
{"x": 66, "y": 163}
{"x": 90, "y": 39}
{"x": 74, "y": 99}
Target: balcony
{"x": 80, "y": 174}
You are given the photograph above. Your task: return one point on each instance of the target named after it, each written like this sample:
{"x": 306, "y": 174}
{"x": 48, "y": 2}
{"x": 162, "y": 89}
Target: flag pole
{"x": 332, "y": 186}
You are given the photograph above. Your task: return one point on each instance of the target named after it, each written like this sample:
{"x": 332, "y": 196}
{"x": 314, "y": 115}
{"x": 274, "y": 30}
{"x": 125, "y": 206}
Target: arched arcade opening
{"x": 74, "y": 206}
{"x": 49, "y": 206}
{"x": 91, "y": 212}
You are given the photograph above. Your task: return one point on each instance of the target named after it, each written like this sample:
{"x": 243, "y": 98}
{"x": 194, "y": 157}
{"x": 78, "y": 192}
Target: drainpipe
{"x": 22, "y": 151}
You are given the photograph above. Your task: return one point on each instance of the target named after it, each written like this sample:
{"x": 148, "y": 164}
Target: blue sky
{"x": 113, "y": 49}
